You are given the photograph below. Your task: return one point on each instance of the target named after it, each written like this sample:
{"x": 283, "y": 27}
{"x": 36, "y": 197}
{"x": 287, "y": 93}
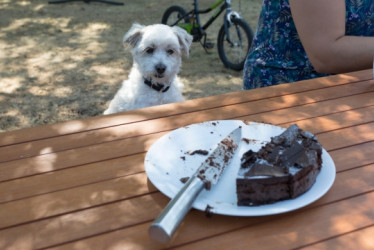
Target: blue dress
{"x": 277, "y": 55}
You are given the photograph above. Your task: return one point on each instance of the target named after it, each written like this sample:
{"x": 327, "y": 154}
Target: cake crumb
{"x": 208, "y": 185}
{"x": 248, "y": 141}
{"x": 208, "y": 211}
{"x": 184, "y": 179}
{"x": 198, "y": 151}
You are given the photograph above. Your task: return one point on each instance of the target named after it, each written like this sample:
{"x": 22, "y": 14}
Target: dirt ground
{"x": 61, "y": 62}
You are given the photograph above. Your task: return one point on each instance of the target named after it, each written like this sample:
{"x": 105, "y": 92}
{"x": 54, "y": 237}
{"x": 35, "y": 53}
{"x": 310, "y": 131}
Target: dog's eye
{"x": 170, "y": 51}
{"x": 149, "y": 50}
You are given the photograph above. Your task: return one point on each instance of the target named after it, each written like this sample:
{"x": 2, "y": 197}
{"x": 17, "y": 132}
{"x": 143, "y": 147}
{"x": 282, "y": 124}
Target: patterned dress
{"x": 277, "y": 55}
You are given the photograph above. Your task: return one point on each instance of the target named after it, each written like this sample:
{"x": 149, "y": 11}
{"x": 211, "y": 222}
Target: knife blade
{"x": 209, "y": 172}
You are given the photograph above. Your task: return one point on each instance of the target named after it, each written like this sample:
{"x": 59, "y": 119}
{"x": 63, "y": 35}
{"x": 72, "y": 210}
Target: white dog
{"x": 157, "y": 50}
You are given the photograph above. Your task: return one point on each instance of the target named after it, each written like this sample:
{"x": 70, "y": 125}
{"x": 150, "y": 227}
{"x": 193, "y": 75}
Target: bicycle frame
{"x": 225, "y": 5}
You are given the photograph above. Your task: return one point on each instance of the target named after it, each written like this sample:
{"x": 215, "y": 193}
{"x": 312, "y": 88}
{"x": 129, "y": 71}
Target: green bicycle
{"x": 234, "y": 37}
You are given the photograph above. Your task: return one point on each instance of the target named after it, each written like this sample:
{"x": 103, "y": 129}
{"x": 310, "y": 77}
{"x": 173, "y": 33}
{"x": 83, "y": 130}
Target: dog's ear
{"x": 133, "y": 36}
{"x": 184, "y": 38}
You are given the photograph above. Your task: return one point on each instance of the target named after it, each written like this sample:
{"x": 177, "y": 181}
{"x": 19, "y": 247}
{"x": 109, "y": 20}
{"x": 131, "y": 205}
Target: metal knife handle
{"x": 163, "y": 228}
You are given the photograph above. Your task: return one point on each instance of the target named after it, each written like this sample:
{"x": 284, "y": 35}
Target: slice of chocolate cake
{"x": 284, "y": 168}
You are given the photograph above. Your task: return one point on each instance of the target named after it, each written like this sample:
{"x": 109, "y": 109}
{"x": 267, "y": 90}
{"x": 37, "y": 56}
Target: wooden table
{"x": 82, "y": 185}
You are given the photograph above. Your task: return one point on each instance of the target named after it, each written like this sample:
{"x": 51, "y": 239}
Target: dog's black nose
{"x": 160, "y": 68}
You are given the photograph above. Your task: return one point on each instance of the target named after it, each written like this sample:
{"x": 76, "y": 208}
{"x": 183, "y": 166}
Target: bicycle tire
{"x": 236, "y": 59}
{"x": 167, "y": 17}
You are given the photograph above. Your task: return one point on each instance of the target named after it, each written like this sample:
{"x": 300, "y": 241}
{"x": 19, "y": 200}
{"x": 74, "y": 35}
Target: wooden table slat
{"x": 115, "y": 149}
{"x": 362, "y": 238}
{"x": 45, "y": 146}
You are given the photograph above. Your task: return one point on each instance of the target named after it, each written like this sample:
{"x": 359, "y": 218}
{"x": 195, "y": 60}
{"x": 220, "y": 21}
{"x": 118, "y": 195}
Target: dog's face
{"x": 157, "y": 49}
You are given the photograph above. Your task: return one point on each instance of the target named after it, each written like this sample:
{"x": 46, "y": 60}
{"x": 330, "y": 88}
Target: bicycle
{"x": 234, "y": 37}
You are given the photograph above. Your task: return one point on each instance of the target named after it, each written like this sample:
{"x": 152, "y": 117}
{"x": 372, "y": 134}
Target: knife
{"x": 209, "y": 172}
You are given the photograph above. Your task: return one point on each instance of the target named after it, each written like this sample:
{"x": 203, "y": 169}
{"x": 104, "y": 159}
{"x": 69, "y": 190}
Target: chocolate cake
{"x": 284, "y": 168}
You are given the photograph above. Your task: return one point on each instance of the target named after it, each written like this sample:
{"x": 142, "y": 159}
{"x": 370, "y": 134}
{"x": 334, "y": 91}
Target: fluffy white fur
{"x": 157, "y": 50}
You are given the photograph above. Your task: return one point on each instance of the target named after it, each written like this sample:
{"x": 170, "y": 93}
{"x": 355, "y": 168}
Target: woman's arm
{"x": 321, "y": 27}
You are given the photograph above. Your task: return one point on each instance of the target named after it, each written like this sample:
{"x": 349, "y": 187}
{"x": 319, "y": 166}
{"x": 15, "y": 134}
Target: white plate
{"x": 168, "y": 161}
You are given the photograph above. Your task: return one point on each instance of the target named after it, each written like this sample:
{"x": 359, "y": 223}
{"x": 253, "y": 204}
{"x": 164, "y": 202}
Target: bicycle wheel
{"x": 173, "y": 14}
{"x": 233, "y": 51}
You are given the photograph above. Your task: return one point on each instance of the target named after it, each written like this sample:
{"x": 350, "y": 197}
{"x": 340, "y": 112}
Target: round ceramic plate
{"x": 178, "y": 155}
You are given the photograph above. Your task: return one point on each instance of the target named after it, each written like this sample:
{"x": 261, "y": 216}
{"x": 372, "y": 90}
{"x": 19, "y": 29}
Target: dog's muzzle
{"x": 160, "y": 69}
